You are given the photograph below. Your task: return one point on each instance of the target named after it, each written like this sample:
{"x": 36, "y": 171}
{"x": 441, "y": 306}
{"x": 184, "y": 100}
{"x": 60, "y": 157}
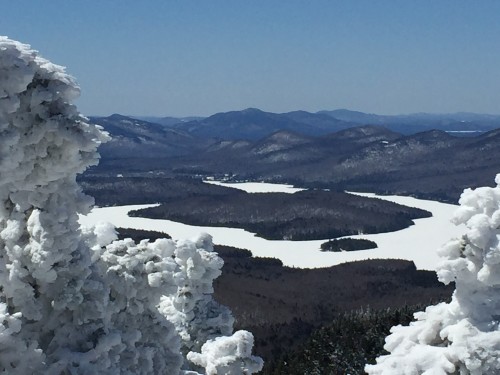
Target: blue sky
{"x": 161, "y": 57}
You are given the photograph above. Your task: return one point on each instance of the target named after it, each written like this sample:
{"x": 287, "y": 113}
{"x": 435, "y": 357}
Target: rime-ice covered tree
{"x": 74, "y": 300}
{"x": 463, "y": 336}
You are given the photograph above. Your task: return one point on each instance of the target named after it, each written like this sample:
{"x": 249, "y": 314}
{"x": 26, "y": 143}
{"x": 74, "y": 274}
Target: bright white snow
{"x": 417, "y": 243}
{"x": 257, "y": 187}
{"x": 463, "y": 336}
{"x": 73, "y": 300}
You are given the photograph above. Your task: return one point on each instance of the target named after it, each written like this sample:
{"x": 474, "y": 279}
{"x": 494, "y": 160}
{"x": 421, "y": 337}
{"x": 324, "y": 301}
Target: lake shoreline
{"x": 417, "y": 243}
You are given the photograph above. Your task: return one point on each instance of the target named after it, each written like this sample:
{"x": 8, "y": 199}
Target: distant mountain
{"x": 360, "y": 136}
{"x": 132, "y": 137}
{"x": 355, "y": 116}
{"x": 279, "y": 141}
{"x": 322, "y": 122}
{"x": 290, "y": 147}
{"x": 418, "y": 122}
{"x": 253, "y": 124}
{"x": 431, "y": 164}
{"x": 296, "y": 147}
{"x": 137, "y": 145}
{"x": 168, "y": 121}
{"x": 278, "y": 155}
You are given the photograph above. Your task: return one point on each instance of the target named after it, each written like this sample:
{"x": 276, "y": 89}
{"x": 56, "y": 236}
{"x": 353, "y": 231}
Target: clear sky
{"x": 162, "y": 57}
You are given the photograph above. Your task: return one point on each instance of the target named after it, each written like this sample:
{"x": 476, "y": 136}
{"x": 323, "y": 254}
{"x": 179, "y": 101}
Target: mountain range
{"x": 253, "y": 123}
{"x": 313, "y": 150}
{"x": 420, "y": 155}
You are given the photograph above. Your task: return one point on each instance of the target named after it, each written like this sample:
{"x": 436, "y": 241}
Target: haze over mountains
{"x": 258, "y": 123}
{"x": 352, "y": 151}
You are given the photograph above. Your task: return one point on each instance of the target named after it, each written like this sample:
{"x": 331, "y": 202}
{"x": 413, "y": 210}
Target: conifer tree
{"x": 463, "y": 336}
{"x": 74, "y": 300}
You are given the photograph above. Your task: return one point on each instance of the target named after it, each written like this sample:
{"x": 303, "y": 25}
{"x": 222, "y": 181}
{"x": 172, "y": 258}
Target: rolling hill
{"x": 310, "y": 150}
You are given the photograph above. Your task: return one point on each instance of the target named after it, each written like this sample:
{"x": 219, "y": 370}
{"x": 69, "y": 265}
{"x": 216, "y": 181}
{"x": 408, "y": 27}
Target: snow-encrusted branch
{"x": 463, "y": 336}
{"x": 75, "y": 300}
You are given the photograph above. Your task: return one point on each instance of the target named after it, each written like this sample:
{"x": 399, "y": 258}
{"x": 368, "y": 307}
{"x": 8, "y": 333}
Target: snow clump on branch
{"x": 75, "y": 300}
{"x": 463, "y": 336}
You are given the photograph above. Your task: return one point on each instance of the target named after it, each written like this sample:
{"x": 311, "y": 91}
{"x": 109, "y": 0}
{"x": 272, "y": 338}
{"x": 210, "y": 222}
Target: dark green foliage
{"x": 233, "y": 252}
{"x": 138, "y": 234}
{"x": 283, "y": 306}
{"x": 348, "y": 244}
{"x": 306, "y": 215}
{"x": 345, "y": 346}
{"x": 114, "y": 191}
{"x": 432, "y": 164}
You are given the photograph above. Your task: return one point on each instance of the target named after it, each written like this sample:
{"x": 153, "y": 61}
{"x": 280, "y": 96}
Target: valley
{"x": 240, "y": 187}
{"x": 286, "y": 307}
{"x": 276, "y": 279}
{"x": 403, "y": 244}
{"x": 302, "y": 311}
{"x": 313, "y": 150}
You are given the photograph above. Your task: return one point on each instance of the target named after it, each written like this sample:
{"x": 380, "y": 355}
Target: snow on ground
{"x": 257, "y": 187}
{"x": 417, "y": 243}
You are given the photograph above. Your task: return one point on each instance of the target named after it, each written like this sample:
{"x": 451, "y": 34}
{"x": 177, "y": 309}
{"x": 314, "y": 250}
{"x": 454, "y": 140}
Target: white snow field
{"x": 417, "y": 243}
{"x": 257, "y": 187}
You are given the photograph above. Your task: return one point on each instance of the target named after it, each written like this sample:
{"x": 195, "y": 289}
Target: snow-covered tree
{"x": 228, "y": 355}
{"x": 463, "y": 336}
{"x": 74, "y": 300}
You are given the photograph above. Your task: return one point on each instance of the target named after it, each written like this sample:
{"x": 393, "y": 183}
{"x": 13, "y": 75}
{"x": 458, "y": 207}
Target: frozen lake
{"x": 417, "y": 243}
{"x": 258, "y": 187}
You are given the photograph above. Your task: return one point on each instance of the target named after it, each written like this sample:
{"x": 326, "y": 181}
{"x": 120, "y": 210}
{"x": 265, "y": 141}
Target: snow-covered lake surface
{"x": 258, "y": 187}
{"x": 417, "y": 243}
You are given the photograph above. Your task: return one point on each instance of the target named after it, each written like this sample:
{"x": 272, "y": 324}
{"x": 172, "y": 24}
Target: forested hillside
{"x": 431, "y": 164}
{"x": 306, "y": 215}
{"x": 330, "y": 320}
{"x": 314, "y": 214}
